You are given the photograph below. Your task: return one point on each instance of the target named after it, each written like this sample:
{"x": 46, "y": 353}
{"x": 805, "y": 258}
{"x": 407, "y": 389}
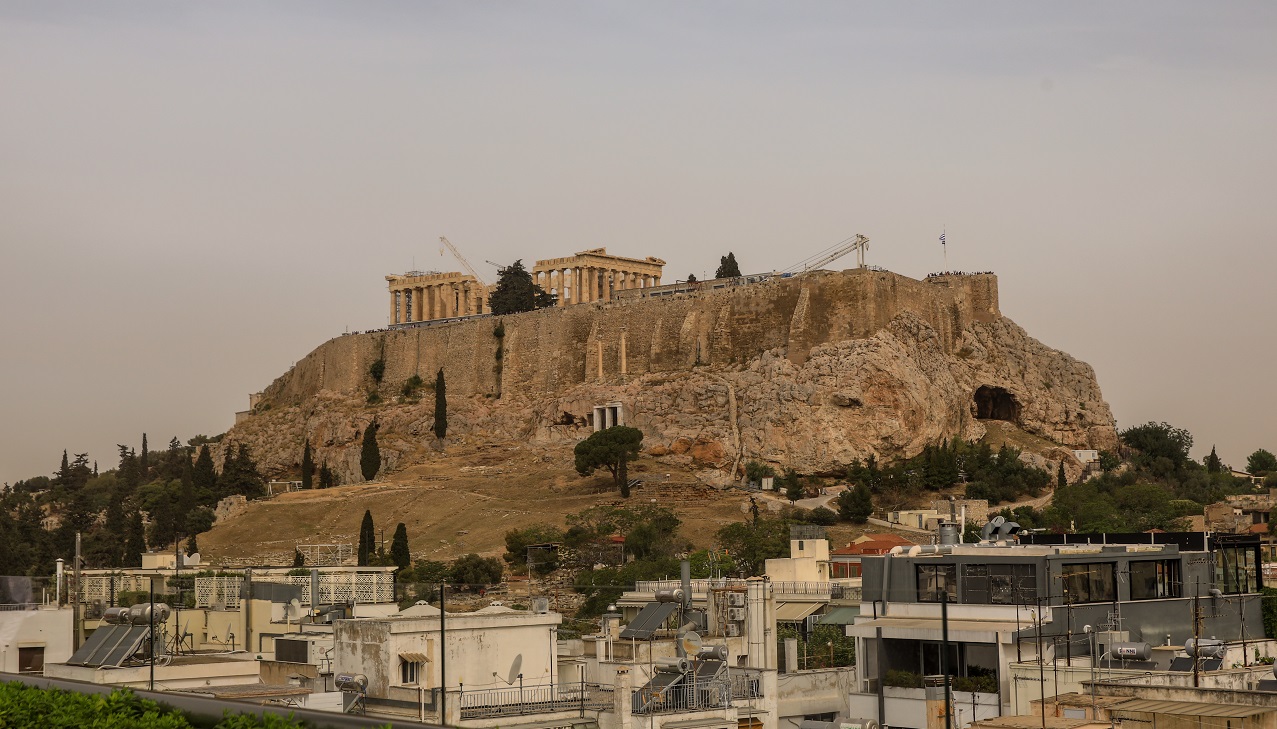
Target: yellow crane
{"x": 462, "y": 259}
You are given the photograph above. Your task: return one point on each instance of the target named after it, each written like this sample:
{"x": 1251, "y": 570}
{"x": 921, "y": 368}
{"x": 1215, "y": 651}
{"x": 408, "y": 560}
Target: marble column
{"x": 607, "y": 283}
{"x": 392, "y": 307}
{"x": 419, "y": 303}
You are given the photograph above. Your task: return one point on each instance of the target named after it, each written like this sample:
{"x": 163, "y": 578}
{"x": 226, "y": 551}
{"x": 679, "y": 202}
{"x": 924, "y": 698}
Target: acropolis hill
{"x": 807, "y": 372}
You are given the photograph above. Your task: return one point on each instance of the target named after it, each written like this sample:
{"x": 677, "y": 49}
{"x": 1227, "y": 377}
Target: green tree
{"x": 856, "y": 504}
{"x": 1212, "y": 462}
{"x": 691, "y": 278}
{"x": 727, "y": 267}
{"x": 1061, "y": 478}
{"x": 134, "y": 540}
{"x": 325, "y": 476}
{"x": 308, "y": 466}
{"x": 1159, "y": 440}
{"x": 240, "y": 474}
{"x": 515, "y": 292}
{"x": 377, "y": 370}
{"x": 367, "y": 539}
{"x": 204, "y": 476}
{"x": 192, "y": 546}
{"x": 517, "y": 542}
{"x": 610, "y": 448}
{"x": 370, "y": 453}
{"x": 399, "y": 552}
{"x": 1261, "y": 463}
{"x": 299, "y": 559}
{"x": 441, "y": 406}
{"x": 144, "y": 460}
{"x": 793, "y": 485}
{"x": 471, "y": 570}
{"x": 751, "y": 544}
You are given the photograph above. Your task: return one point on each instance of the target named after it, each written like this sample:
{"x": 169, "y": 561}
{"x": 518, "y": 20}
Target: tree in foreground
{"x": 367, "y": 539}
{"x": 308, "y": 466}
{"x": 399, "y": 553}
{"x": 370, "y": 454}
{"x": 1261, "y": 462}
{"x": 611, "y": 448}
{"x": 441, "y": 406}
{"x": 727, "y": 267}
{"x": 515, "y": 292}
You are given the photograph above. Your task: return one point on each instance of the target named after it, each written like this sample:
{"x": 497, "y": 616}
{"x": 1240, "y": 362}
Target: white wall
{"x": 45, "y": 628}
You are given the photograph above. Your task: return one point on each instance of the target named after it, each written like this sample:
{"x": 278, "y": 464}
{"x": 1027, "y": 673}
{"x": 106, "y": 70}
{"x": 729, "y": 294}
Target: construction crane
{"x": 462, "y": 259}
{"x": 859, "y": 244}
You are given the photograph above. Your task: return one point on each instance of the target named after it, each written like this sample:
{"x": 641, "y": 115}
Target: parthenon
{"x": 593, "y": 275}
{"x": 425, "y": 296}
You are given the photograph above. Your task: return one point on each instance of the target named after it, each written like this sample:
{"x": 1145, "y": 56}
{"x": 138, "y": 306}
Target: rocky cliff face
{"x": 807, "y": 374}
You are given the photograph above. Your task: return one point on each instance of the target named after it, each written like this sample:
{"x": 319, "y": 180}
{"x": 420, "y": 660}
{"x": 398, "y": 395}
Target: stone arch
{"x": 996, "y": 403}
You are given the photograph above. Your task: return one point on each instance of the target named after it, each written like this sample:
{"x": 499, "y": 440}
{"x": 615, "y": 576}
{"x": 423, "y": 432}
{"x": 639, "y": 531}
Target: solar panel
{"x": 1212, "y": 664}
{"x": 1182, "y": 663}
{"x": 649, "y": 620}
{"x": 708, "y": 670}
{"x": 110, "y": 645}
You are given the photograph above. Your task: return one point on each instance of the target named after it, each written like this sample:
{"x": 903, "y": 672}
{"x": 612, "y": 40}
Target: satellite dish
{"x": 293, "y": 609}
{"x": 691, "y": 643}
{"x": 515, "y": 668}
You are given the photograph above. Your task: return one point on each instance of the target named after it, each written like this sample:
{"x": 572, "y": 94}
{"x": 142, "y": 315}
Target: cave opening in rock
{"x": 995, "y": 403}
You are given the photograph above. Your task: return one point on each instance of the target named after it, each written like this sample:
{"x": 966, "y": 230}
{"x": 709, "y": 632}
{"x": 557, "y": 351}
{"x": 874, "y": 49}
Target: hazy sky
{"x": 195, "y": 195}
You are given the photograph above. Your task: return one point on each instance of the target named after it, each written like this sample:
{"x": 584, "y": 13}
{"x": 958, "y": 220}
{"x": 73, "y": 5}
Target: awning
{"x": 1191, "y": 708}
{"x": 793, "y": 612}
{"x": 413, "y": 657}
{"x": 845, "y": 615}
{"x": 970, "y": 631}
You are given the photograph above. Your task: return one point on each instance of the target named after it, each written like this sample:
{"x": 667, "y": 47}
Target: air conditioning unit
{"x": 736, "y": 599}
{"x": 733, "y": 630}
{"x": 736, "y": 613}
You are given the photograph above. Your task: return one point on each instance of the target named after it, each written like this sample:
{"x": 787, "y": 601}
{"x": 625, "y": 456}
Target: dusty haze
{"x": 193, "y": 196}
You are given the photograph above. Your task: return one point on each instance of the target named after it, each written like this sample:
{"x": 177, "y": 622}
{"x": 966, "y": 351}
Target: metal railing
{"x": 539, "y": 699}
{"x": 680, "y": 697}
{"x": 20, "y": 606}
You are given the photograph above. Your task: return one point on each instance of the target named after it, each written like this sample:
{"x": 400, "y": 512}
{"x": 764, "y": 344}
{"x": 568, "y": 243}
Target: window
{"x": 934, "y": 580}
{"x": 31, "y": 660}
{"x": 409, "y": 671}
{"x": 1152, "y": 579}
{"x": 1235, "y": 570}
{"x": 999, "y": 584}
{"x": 1089, "y": 582}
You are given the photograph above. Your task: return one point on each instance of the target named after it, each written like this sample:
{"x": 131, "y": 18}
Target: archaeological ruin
{"x": 594, "y": 275}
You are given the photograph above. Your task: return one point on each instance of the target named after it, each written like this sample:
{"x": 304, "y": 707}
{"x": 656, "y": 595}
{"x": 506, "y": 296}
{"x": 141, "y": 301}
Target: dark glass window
{"x": 999, "y": 584}
{"x": 1089, "y": 582}
{"x": 934, "y": 580}
{"x": 1235, "y": 570}
{"x": 1151, "y": 579}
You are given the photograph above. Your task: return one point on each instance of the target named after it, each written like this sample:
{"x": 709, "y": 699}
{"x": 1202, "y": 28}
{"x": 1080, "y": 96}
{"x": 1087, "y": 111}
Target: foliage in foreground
{"x": 27, "y": 706}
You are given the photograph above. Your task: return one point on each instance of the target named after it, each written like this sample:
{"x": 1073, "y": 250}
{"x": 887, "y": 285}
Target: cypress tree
{"x": 1061, "y": 480}
{"x": 325, "y": 476}
{"x": 134, "y": 540}
{"x": 370, "y": 454}
{"x": 144, "y": 461}
{"x": 115, "y": 525}
{"x": 1213, "y": 464}
{"x": 441, "y": 406}
{"x": 299, "y": 559}
{"x": 191, "y": 546}
{"x": 399, "y": 553}
{"x": 64, "y": 472}
{"x": 204, "y": 476}
{"x": 308, "y": 466}
{"x": 367, "y": 539}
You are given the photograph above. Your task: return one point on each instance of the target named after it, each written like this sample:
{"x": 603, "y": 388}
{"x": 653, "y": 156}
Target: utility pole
{"x": 944, "y": 657}
{"x": 1197, "y": 632}
{"x": 75, "y": 599}
{"x": 1041, "y": 666}
{"x": 443, "y": 654}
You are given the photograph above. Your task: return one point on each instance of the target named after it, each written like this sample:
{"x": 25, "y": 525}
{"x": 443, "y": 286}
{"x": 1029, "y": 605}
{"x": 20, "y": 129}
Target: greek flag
{"x": 942, "y": 239}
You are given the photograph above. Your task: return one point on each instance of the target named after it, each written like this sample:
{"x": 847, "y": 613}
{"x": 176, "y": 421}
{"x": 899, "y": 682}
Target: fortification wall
{"x": 550, "y": 351}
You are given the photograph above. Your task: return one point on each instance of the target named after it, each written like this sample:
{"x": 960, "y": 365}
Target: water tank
{"x": 712, "y": 653}
{"x": 671, "y": 665}
{"x": 1205, "y": 647}
{"x": 669, "y": 596}
{"x": 116, "y": 615}
{"x": 351, "y": 682}
{"x": 145, "y": 612}
{"x": 540, "y": 605}
{"x": 948, "y": 533}
{"x": 1131, "y": 651}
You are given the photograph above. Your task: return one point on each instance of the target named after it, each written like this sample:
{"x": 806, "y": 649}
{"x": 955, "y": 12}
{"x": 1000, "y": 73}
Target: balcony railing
{"x": 539, "y": 699}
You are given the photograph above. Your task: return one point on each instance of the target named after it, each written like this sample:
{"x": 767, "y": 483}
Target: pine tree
{"x": 441, "y": 406}
{"x": 144, "y": 461}
{"x": 116, "y": 524}
{"x": 134, "y": 540}
{"x": 1061, "y": 479}
{"x": 691, "y": 278}
{"x": 727, "y": 267}
{"x": 399, "y": 553}
{"x": 367, "y": 539}
{"x": 325, "y": 476}
{"x": 299, "y": 559}
{"x": 64, "y": 472}
{"x": 370, "y": 454}
{"x": 515, "y": 292}
{"x": 308, "y": 466}
{"x": 191, "y": 545}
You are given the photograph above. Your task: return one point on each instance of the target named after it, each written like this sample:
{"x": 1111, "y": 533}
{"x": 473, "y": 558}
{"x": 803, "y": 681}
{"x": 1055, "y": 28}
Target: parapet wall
{"x": 549, "y": 351}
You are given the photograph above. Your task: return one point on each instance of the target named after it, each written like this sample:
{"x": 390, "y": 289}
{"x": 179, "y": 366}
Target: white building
{"x": 33, "y": 636}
